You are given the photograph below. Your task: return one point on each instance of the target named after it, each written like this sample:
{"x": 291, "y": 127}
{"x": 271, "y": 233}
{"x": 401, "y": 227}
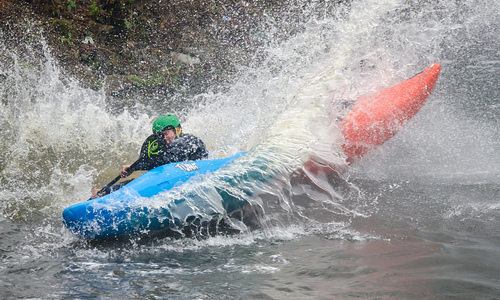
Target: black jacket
{"x": 155, "y": 152}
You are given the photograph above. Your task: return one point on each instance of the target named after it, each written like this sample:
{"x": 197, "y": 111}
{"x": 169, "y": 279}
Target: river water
{"x": 417, "y": 218}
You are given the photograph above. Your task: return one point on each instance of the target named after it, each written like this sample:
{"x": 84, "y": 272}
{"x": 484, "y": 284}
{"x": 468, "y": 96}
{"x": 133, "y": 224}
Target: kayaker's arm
{"x": 105, "y": 190}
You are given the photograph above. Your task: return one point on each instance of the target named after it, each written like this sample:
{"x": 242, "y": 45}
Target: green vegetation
{"x": 171, "y": 75}
{"x": 95, "y": 10}
{"x": 67, "y": 39}
{"x": 71, "y": 4}
{"x": 27, "y": 65}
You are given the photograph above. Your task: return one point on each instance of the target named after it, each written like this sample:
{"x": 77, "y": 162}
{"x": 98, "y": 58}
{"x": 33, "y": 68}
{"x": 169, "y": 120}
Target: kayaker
{"x": 166, "y": 145}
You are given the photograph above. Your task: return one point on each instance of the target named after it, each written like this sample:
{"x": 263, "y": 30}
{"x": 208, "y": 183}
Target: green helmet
{"x": 164, "y": 121}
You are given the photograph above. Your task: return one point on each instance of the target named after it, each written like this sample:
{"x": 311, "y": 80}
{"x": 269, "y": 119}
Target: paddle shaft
{"x": 129, "y": 169}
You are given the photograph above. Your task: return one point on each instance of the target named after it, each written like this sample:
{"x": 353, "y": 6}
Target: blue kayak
{"x": 138, "y": 208}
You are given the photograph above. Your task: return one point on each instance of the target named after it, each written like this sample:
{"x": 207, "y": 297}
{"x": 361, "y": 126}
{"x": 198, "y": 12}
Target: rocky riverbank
{"x": 149, "y": 47}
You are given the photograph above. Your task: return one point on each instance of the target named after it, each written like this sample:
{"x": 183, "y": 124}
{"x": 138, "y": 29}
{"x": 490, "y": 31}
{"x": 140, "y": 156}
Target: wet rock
{"x": 185, "y": 59}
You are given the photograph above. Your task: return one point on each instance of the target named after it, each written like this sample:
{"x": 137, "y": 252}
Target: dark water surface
{"x": 428, "y": 241}
{"x": 418, "y": 218}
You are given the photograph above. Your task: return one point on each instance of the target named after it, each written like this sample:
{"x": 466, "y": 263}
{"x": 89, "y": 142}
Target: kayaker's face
{"x": 169, "y": 136}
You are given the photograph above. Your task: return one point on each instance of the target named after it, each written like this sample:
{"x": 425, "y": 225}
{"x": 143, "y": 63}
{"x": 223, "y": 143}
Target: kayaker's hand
{"x": 96, "y": 195}
{"x": 123, "y": 171}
